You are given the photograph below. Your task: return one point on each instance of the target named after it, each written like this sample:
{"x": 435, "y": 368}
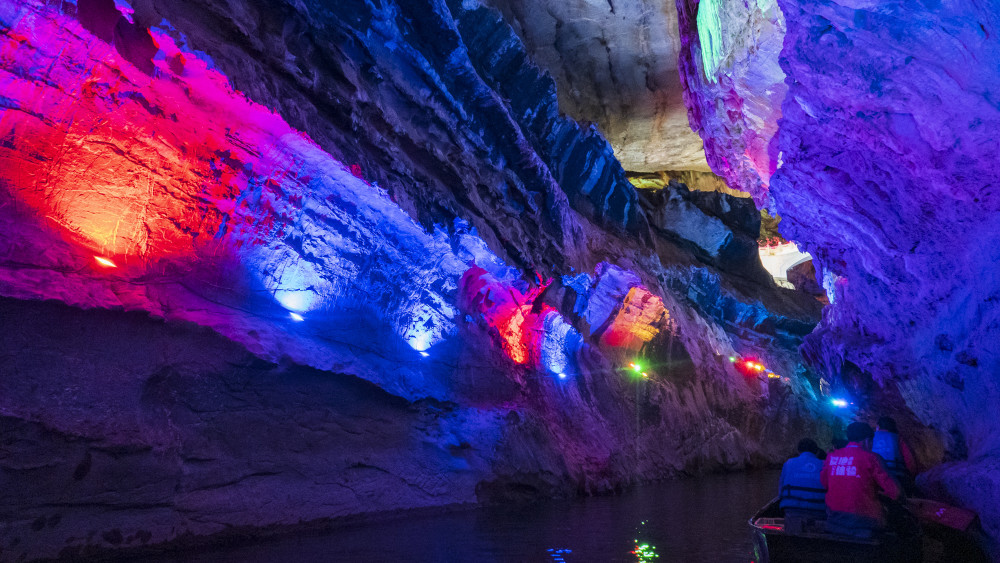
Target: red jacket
{"x": 852, "y": 477}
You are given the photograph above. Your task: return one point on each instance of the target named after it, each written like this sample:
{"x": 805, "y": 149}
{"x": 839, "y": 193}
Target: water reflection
{"x": 557, "y": 554}
{"x": 689, "y": 521}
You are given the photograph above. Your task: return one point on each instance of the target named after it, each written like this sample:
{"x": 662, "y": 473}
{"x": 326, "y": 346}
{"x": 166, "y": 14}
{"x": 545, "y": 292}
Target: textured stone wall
{"x": 615, "y": 64}
{"x": 734, "y": 101}
{"x": 886, "y": 153}
{"x": 353, "y": 260}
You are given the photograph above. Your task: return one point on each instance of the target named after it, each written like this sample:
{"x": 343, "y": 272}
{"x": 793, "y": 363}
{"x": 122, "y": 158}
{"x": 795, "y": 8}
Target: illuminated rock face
{"x": 896, "y": 197}
{"x": 615, "y": 64}
{"x": 349, "y": 262}
{"x": 887, "y": 145}
{"x": 733, "y": 86}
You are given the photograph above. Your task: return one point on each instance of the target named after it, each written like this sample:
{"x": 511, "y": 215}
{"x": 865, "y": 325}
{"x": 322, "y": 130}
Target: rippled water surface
{"x": 691, "y": 520}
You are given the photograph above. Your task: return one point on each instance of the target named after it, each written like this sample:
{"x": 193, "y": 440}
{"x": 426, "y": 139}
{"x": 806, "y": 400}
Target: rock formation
{"x": 615, "y": 64}
{"x": 272, "y": 262}
{"x": 883, "y": 168}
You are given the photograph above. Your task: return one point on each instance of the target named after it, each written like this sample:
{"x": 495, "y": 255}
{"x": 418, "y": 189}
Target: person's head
{"x": 859, "y": 432}
{"x": 807, "y": 445}
{"x": 839, "y": 443}
{"x": 888, "y": 424}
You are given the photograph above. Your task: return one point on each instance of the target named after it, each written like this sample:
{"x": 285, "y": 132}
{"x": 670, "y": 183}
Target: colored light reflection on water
{"x": 644, "y": 552}
{"x": 687, "y": 521}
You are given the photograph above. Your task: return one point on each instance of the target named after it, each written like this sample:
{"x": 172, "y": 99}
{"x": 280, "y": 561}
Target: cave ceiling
{"x": 615, "y": 64}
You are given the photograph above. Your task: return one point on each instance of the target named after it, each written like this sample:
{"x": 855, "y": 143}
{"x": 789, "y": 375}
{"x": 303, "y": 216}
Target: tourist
{"x": 802, "y": 494}
{"x": 894, "y": 451}
{"x": 853, "y": 476}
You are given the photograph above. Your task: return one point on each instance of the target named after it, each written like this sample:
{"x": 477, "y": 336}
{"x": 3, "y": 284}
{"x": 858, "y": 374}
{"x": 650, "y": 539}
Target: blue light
{"x": 426, "y": 324}
{"x": 560, "y": 342}
{"x": 840, "y": 403}
{"x": 424, "y": 354}
{"x": 296, "y": 317}
{"x": 297, "y": 284}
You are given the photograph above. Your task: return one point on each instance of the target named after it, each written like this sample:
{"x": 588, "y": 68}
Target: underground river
{"x": 702, "y": 519}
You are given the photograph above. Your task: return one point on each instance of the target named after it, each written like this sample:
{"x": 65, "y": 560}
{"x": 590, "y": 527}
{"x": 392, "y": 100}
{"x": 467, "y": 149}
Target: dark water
{"x": 694, "y": 520}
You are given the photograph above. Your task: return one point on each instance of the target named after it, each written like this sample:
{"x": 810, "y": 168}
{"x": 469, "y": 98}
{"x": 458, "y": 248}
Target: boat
{"x": 771, "y": 544}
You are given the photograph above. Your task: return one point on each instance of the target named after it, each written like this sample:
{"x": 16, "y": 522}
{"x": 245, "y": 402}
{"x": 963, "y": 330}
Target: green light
{"x": 710, "y": 37}
{"x": 645, "y": 552}
{"x": 732, "y": 359}
{"x": 636, "y": 367}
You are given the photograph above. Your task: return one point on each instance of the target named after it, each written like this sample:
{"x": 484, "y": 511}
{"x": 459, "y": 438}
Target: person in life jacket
{"x": 801, "y": 493}
{"x": 854, "y": 476}
{"x": 897, "y": 455}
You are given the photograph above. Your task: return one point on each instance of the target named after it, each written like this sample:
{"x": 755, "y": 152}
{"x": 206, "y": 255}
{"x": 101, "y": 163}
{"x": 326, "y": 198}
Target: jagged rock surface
{"x": 734, "y": 101}
{"x": 887, "y": 177}
{"x": 294, "y": 198}
{"x": 615, "y": 64}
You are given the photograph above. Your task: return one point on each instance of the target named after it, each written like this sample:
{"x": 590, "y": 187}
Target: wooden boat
{"x": 773, "y": 545}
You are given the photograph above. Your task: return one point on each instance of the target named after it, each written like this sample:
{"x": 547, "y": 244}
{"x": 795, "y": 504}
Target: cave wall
{"x": 325, "y": 228}
{"x": 886, "y": 175}
{"x": 734, "y": 87}
{"x": 615, "y": 64}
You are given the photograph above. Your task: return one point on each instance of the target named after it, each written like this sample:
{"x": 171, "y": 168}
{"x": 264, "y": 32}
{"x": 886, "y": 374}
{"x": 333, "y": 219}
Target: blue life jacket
{"x": 800, "y": 485}
{"x": 886, "y": 444}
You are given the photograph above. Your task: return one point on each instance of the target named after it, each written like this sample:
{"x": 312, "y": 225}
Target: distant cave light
{"x": 777, "y": 259}
{"x": 105, "y": 262}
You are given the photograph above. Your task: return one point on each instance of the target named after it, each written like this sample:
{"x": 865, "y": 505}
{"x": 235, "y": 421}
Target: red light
{"x": 105, "y": 262}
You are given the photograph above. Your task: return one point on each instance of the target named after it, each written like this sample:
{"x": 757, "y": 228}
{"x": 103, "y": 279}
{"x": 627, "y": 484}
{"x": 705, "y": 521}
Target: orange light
{"x": 105, "y": 262}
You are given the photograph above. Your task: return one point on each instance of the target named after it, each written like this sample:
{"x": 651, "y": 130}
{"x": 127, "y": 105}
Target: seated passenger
{"x": 800, "y": 489}
{"x": 853, "y": 477}
{"x": 894, "y": 451}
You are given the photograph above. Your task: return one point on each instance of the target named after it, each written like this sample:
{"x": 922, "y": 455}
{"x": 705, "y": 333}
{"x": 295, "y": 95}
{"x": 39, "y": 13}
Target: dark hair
{"x": 887, "y": 423}
{"x": 839, "y": 443}
{"x": 858, "y": 431}
{"x": 807, "y": 445}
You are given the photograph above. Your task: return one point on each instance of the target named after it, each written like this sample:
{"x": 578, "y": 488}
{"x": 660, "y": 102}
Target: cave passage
{"x": 275, "y": 266}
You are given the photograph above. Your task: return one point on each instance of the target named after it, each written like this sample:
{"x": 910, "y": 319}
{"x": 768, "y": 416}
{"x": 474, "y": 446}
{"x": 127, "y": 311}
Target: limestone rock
{"x": 615, "y": 64}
